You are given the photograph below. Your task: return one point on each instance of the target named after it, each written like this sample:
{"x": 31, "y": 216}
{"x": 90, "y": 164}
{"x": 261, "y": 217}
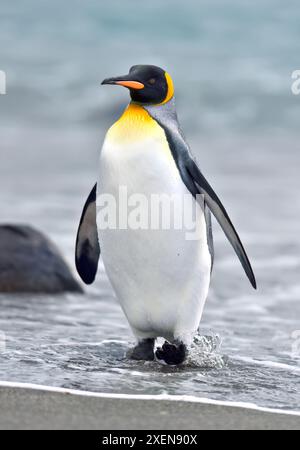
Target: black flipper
{"x": 218, "y": 210}
{"x": 87, "y": 244}
{"x": 196, "y": 183}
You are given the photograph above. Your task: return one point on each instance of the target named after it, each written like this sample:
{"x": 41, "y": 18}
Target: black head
{"x": 147, "y": 84}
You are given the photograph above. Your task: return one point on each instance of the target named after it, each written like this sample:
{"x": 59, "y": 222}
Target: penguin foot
{"x": 172, "y": 354}
{"x": 144, "y": 351}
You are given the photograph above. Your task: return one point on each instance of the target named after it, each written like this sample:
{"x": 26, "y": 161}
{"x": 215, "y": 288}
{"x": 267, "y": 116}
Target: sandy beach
{"x": 74, "y": 410}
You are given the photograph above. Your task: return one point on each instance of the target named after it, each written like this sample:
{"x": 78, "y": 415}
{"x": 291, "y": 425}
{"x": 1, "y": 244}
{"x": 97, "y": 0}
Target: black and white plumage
{"x": 160, "y": 278}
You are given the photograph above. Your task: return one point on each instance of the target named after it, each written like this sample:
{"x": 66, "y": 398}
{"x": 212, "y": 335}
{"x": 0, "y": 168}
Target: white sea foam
{"x": 161, "y": 397}
{"x": 205, "y": 352}
{"x": 272, "y": 364}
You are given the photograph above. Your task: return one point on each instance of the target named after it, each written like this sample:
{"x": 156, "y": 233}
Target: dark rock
{"x": 29, "y": 262}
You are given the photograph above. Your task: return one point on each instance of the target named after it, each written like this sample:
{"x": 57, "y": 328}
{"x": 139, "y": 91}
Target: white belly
{"x": 160, "y": 278}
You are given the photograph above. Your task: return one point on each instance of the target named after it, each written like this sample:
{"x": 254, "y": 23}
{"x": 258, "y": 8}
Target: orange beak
{"x": 131, "y": 84}
{"x": 124, "y": 81}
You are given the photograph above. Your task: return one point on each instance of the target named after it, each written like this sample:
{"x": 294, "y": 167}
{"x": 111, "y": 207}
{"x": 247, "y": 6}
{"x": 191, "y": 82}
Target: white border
{"x": 182, "y": 398}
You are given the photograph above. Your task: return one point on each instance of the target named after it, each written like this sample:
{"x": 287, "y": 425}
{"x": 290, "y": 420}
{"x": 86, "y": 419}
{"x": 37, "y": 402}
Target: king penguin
{"x": 160, "y": 278}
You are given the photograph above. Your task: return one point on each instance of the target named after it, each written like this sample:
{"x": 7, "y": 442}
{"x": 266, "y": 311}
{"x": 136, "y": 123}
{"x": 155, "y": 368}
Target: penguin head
{"x": 149, "y": 85}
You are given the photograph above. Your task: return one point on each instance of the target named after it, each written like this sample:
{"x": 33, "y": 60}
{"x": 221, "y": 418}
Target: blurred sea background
{"x": 232, "y": 63}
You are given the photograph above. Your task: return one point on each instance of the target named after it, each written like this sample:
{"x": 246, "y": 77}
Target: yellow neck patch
{"x": 135, "y": 124}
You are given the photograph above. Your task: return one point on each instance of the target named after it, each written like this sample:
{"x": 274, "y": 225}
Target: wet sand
{"x": 34, "y": 407}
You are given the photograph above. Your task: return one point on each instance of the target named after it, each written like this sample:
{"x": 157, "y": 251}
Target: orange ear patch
{"x": 171, "y": 89}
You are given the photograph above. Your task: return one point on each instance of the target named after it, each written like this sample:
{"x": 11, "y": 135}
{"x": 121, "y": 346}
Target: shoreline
{"x": 58, "y": 408}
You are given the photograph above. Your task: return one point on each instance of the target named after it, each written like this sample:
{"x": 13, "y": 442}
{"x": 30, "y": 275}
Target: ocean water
{"x": 232, "y": 63}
